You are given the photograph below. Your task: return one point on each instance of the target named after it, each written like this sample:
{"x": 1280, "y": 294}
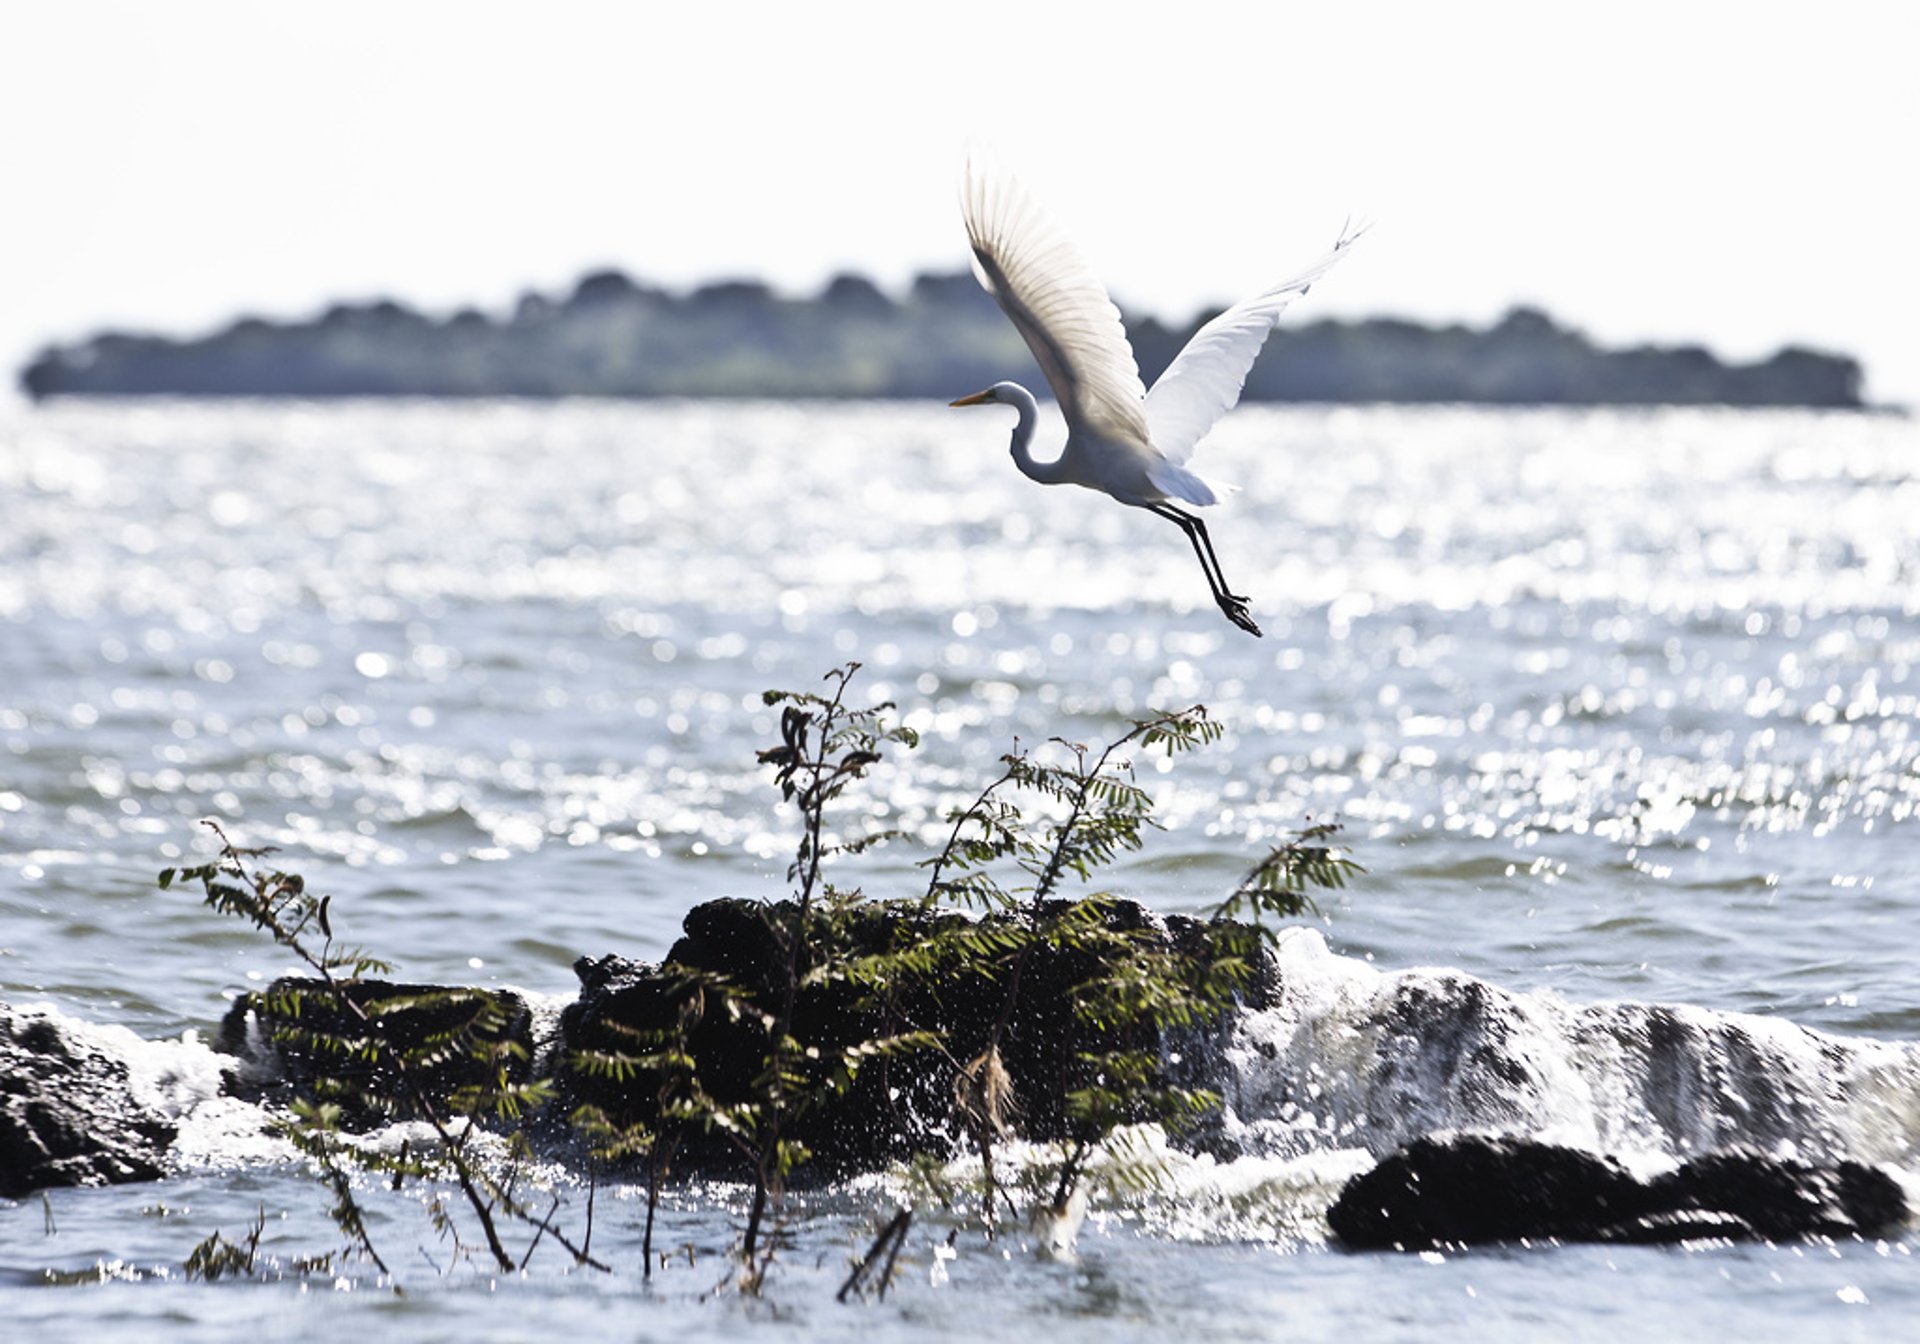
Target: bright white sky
{"x": 1739, "y": 175}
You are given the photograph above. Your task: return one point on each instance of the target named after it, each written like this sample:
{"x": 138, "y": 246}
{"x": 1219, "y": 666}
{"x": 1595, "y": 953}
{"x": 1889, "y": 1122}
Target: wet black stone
{"x": 1438, "y": 1192}
{"x": 1471, "y": 1190}
{"x": 1779, "y": 1199}
{"x": 66, "y": 1115}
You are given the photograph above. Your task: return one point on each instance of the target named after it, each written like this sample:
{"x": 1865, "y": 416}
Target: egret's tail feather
{"x": 1181, "y": 484}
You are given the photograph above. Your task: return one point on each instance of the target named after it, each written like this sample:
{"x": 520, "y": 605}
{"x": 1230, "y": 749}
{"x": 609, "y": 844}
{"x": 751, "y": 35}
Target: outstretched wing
{"x": 1055, "y": 301}
{"x": 1205, "y": 378}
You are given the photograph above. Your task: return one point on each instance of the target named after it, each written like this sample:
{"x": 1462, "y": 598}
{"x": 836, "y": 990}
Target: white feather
{"x": 1055, "y": 301}
{"x": 1205, "y": 379}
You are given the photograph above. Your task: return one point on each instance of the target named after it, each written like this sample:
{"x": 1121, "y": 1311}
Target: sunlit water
{"x": 1615, "y": 707}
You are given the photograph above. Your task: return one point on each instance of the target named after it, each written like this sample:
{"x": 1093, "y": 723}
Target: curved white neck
{"x": 1047, "y": 473}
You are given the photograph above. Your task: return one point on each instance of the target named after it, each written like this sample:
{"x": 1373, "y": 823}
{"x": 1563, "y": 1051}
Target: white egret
{"x": 1122, "y": 439}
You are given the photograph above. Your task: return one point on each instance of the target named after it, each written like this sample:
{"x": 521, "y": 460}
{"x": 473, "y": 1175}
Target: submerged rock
{"x": 67, "y": 1114}
{"x": 1474, "y": 1189}
{"x": 295, "y": 1033}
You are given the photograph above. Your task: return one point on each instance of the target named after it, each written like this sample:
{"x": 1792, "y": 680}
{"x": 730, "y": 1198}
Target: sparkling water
{"x": 1616, "y": 708}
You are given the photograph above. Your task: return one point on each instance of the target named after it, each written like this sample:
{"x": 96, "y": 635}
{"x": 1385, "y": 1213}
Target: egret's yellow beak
{"x": 977, "y": 399}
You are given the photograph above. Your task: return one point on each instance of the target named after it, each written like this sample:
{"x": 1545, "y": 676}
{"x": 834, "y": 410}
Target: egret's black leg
{"x": 1233, "y": 605}
{"x": 1202, "y": 547}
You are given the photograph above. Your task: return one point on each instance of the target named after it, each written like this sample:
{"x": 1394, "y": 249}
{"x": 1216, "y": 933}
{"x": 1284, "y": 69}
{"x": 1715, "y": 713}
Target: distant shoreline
{"x": 614, "y": 337}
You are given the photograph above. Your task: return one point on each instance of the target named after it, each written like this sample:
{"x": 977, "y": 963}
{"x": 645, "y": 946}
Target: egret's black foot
{"x": 1238, "y": 612}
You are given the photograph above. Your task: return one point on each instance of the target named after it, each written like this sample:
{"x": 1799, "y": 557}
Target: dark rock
{"x": 66, "y": 1115}
{"x": 1776, "y": 1199}
{"x": 1436, "y": 1192}
{"x": 1470, "y": 1189}
{"x": 890, "y": 1108}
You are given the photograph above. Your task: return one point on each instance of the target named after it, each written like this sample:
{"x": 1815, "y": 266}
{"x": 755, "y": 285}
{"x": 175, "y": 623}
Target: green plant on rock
{"x": 825, "y": 745}
{"x": 1125, "y": 988}
{"x": 1128, "y": 987}
{"x": 681, "y": 1104}
{"x": 1079, "y": 987}
{"x": 340, "y": 1023}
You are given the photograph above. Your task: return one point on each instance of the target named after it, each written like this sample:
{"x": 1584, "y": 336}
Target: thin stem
{"x": 945, "y": 855}
{"x": 653, "y": 1202}
{"x": 416, "y": 1091}
{"x": 891, "y": 1236}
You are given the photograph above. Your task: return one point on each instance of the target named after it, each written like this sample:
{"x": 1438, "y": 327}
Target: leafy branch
{"x": 279, "y": 904}
{"x": 824, "y": 746}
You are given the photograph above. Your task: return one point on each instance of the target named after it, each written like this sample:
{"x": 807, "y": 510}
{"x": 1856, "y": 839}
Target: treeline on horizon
{"x": 614, "y": 337}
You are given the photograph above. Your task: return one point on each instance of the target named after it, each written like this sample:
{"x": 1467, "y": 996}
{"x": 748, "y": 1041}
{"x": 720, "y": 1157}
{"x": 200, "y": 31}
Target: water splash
{"x": 1348, "y": 1056}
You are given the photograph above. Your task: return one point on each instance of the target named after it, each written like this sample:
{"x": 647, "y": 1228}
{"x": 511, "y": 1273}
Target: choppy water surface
{"x": 1615, "y": 706}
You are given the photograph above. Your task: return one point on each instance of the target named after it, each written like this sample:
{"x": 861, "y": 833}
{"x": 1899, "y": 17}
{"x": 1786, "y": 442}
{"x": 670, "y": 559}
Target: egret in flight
{"x": 1122, "y": 439}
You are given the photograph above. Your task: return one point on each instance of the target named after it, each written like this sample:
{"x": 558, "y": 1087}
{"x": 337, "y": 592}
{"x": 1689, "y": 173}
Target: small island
{"x": 612, "y": 336}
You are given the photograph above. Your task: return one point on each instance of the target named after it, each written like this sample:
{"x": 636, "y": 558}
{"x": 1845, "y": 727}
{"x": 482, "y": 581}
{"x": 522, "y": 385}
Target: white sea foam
{"x": 1349, "y": 1056}
{"x": 180, "y": 1079}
